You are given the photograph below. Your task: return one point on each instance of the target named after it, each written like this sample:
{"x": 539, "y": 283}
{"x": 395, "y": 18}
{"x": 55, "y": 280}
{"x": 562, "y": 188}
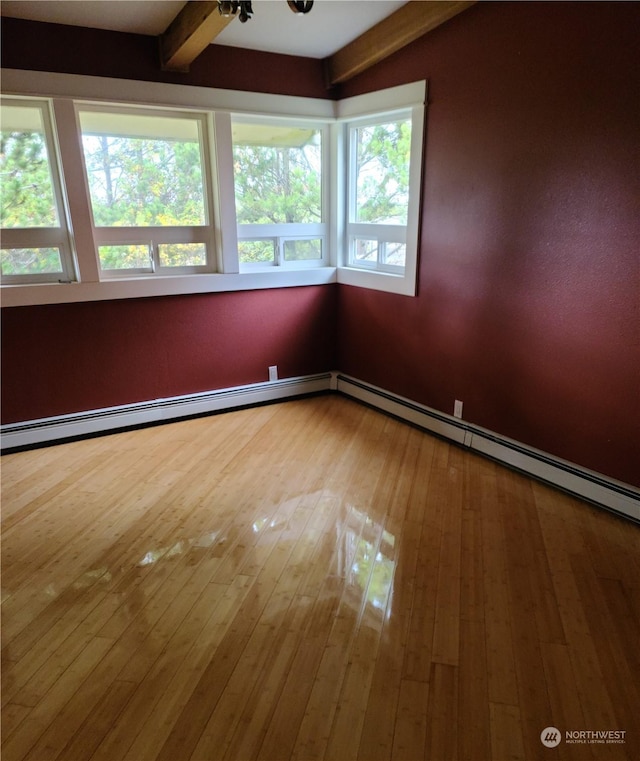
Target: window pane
{"x": 365, "y": 250}
{"x": 143, "y": 170}
{"x": 31, "y": 261}
{"x": 252, "y": 251}
{"x": 394, "y": 253}
{"x": 302, "y": 250}
{"x": 134, "y": 256}
{"x": 182, "y": 254}
{"x": 278, "y": 174}
{"x": 27, "y": 190}
{"x": 382, "y": 172}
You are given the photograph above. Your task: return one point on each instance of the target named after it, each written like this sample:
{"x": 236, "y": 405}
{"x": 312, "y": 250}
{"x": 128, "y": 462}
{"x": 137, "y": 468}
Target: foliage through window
{"x": 382, "y": 172}
{"x": 35, "y": 242}
{"x": 119, "y": 190}
{"x": 278, "y": 174}
{"x": 146, "y": 173}
{"x": 380, "y": 154}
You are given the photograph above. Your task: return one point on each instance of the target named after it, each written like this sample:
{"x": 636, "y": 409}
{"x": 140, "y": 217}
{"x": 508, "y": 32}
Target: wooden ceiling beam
{"x": 197, "y": 24}
{"x": 391, "y": 34}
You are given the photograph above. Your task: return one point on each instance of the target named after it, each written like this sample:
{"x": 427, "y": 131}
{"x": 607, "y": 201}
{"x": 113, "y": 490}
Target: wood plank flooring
{"x": 309, "y": 580}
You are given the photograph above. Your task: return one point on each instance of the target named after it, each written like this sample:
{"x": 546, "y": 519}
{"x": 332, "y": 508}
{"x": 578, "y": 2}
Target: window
{"x": 382, "y": 160}
{"x": 36, "y": 245}
{"x": 163, "y": 189}
{"x": 379, "y": 193}
{"x": 279, "y": 194}
{"x": 149, "y": 187}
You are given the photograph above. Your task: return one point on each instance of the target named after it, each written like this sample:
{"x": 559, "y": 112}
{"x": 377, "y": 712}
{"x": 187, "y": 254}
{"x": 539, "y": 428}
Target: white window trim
{"x": 65, "y": 89}
{"x": 280, "y": 232}
{"x": 363, "y": 108}
{"x": 156, "y": 235}
{"x": 59, "y": 236}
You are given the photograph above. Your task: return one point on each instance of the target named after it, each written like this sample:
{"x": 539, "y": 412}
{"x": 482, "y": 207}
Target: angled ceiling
{"x": 349, "y": 34}
{"x": 273, "y": 27}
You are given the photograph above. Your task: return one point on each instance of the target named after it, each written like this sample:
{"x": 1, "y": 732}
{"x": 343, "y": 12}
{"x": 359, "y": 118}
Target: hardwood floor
{"x": 308, "y": 580}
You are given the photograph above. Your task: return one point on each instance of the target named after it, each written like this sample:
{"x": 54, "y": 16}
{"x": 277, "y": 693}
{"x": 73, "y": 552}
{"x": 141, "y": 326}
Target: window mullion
{"x": 224, "y": 203}
{"x": 154, "y": 256}
{"x": 77, "y": 193}
{"x": 336, "y": 172}
{"x": 36, "y": 237}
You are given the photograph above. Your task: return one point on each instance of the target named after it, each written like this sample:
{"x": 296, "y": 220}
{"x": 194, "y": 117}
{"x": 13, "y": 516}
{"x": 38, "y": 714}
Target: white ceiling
{"x": 330, "y": 25}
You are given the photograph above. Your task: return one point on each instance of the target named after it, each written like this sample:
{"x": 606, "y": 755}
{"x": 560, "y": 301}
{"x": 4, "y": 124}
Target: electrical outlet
{"x": 273, "y": 372}
{"x": 457, "y": 408}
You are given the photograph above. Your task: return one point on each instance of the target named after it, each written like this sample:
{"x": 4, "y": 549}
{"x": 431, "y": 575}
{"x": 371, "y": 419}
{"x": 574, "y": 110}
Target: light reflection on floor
{"x": 363, "y": 556}
{"x": 367, "y": 559}
{"x": 179, "y": 548}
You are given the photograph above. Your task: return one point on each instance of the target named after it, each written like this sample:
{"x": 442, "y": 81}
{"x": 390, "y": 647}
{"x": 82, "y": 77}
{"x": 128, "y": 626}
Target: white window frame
{"x": 377, "y": 108}
{"x": 280, "y": 233}
{"x": 154, "y": 236}
{"x": 380, "y": 233}
{"x": 59, "y": 236}
{"x": 64, "y": 91}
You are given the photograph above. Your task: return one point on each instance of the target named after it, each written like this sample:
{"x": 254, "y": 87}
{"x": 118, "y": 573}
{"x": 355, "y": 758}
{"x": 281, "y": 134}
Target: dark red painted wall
{"x": 529, "y": 290}
{"x": 70, "y": 357}
{"x": 96, "y": 52}
{"x": 528, "y": 305}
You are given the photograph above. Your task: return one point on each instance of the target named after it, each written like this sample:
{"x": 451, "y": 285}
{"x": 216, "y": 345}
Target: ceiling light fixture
{"x": 229, "y": 8}
{"x": 300, "y": 6}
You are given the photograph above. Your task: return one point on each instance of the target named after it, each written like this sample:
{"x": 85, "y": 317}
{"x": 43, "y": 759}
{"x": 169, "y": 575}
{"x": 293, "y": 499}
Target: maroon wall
{"x": 528, "y": 295}
{"x": 529, "y": 284}
{"x": 73, "y": 50}
{"x": 70, "y": 357}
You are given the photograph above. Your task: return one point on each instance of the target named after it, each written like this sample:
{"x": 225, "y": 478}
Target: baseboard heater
{"x": 573, "y": 479}
{"x": 93, "y": 422}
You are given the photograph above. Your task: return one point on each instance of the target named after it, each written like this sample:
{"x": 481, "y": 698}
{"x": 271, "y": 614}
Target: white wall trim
{"x": 124, "y": 288}
{"x": 54, "y": 429}
{"x": 110, "y": 89}
{"x": 392, "y": 98}
{"x": 574, "y": 479}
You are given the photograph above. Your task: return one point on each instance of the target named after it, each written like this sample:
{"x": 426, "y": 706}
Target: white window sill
{"x": 405, "y": 285}
{"x": 140, "y": 287}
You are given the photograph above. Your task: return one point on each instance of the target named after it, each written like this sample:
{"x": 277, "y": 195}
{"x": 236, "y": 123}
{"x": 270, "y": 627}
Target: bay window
{"x": 159, "y": 189}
